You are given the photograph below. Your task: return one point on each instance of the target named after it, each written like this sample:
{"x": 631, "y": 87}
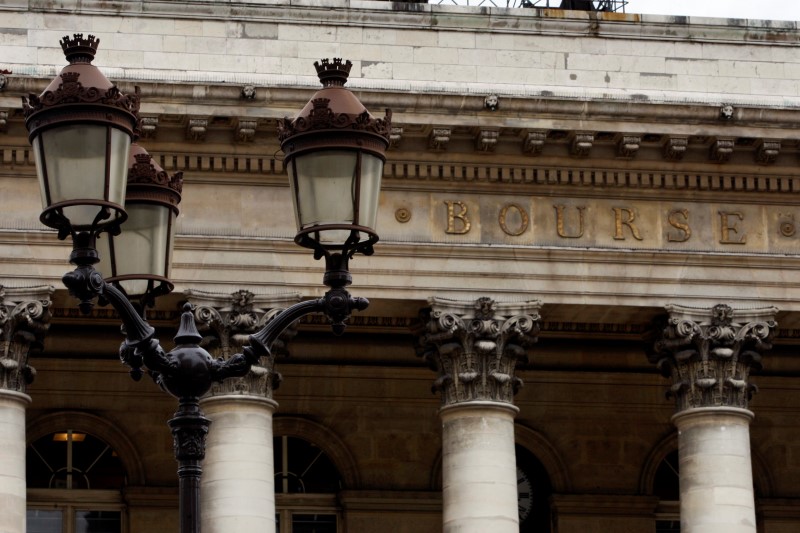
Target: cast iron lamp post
{"x": 81, "y": 128}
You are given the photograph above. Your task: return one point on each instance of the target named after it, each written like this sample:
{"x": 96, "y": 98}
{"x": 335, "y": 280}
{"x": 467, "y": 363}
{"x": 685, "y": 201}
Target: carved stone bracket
{"x": 246, "y": 130}
{"x": 675, "y": 148}
{"x": 709, "y": 353}
{"x": 486, "y": 140}
{"x": 474, "y": 346}
{"x": 227, "y": 321}
{"x": 439, "y": 139}
{"x": 196, "y": 129}
{"x": 628, "y": 146}
{"x": 3, "y": 120}
{"x": 24, "y": 320}
{"x": 581, "y": 144}
{"x": 395, "y": 137}
{"x": 768, "y": 151}
{"x": 534, "y": 142}
{"x": 722, "y": 150}
{"x": 148, "y": 127}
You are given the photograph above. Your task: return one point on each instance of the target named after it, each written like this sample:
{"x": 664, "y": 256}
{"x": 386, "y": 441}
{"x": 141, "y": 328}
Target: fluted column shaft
{"x": 474, "y": 347}
{"x": 709, "y": 355}
{"x": 24, "y": 319}
{"x": 237, "y": 487}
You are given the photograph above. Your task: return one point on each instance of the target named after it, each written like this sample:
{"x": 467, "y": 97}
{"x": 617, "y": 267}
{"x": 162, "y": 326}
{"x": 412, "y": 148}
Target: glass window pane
{"x": 40, "y": 521}
{"x": 313, "y": 523}
{"x": 98, "y": 522}
{"x": 668, "y": 526}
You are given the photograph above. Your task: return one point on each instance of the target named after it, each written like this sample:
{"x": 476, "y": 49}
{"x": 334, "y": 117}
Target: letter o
{"x": 524, "y": 220}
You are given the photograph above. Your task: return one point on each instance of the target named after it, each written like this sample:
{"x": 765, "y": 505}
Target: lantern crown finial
{"x": 333, "y": 73}
{"x": 78, "y": 49}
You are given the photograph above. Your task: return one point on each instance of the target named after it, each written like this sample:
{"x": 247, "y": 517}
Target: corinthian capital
{"x": 709, "y": 353}
{"x": 474, "y": 346}
{"x": 226, "y": 322}
{"x": 24, "y": 319}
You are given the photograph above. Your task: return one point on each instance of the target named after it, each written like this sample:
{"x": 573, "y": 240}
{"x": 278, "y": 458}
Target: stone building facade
{"x": 580, "y": 213}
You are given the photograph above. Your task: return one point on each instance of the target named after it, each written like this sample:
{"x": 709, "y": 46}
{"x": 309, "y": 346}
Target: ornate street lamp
{"x": 138, "y": 259}
{"x": 334, "y": 153}
{"x": 81, "y": 129}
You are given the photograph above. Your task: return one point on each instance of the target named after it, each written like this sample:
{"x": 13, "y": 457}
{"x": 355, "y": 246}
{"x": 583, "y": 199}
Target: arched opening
{"x": 534, "y": 489}
{"x": 75, "y": 481}
{"x": 306, "y": 486}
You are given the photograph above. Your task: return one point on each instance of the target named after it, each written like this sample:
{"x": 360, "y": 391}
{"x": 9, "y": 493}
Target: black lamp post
{"x": 81, "y": 129}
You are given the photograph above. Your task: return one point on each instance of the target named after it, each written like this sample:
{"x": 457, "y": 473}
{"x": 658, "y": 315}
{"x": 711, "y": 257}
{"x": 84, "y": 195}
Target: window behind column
{"x": 306, "y": 483}
{"x": 74, "y": 485}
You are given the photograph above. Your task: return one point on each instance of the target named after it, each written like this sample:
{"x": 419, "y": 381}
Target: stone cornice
{"x": 256, "y": 169}
{"x": 433, "y": 16}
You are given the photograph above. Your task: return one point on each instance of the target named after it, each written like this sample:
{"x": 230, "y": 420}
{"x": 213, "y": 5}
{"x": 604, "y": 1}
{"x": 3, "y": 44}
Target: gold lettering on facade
{"x": 452, "y": 216}
{"x": 682, "y": 226}
{"x": 619, "y": 222}
{"x": 523, "y": 219}
{"x": 726, "y": 227}
{"x": 560, "y": 221}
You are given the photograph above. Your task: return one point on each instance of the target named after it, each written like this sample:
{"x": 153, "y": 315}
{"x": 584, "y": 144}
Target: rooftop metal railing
{"x": 584, "y": 5}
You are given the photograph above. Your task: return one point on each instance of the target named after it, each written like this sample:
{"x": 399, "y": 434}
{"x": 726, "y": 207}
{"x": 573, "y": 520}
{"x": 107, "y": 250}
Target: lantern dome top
{"x": 148, "y": 182}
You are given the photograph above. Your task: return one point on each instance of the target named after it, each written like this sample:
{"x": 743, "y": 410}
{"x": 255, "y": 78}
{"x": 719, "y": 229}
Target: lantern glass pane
{"x": 142, "y": 249}
{"x": 371, "y": 174}
{"x": 325, "y": 187}
{"x": 74, "y": 168}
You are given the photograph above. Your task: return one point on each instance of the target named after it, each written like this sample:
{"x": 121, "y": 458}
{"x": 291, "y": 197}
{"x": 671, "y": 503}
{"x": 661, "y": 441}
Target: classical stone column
{"x": 237, "y": 487}
{"x": 24, "y": 319}
{"x": 474, "y": 347}
{"x": 708, "y": 354}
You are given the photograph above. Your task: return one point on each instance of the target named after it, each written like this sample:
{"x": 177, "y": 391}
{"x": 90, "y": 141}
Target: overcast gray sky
{"x": 748, "y": 9}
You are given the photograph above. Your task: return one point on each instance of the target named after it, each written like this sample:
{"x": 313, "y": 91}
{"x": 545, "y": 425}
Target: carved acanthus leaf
{"x": 475, "y": 346}
{"x": 709, "y": 353}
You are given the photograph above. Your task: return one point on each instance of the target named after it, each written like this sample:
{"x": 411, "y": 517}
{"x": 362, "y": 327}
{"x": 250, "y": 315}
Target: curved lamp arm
{"x": 337, "y": 304}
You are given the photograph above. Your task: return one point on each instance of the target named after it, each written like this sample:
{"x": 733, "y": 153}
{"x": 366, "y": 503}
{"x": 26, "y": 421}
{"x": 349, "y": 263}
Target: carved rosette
{"x": 475, "y": 346}
{"x": 24, "y": 320}
{"x": 709, "y": 353}
{"x": 226, "y": 323}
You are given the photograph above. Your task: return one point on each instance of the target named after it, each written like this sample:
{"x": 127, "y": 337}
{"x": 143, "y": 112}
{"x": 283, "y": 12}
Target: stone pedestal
{"x": 479, "y": 470}
{"x": 238, "y": 487}
{"x": 12, "y": 461}
{"x": 716, "y": 484}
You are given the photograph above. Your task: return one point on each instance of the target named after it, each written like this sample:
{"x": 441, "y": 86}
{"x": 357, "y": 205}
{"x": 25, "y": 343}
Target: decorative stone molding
{"x": 196, "y": 129}
{"x": 486, "y": 140}
{"x": 439, "y": 139}
{"x": 395, "y": 137}
{"x": 3, "y": 120}
{"x": 148, "y": 127}
{"x": 474, "y": 346}
{"x": 722, "y": 150}
{"x": 249, "y": 92}
{"x": 533, "y": 143}
{"x": 675, "y": 148}
{"x": 628, "y": 146}
{"x": 226, "y": 323}
{"x": 24, "y": 320}
{"x": 581, "y": 144}
{"x": 768, "y": 151}
{"x": 246, "y": 130}
{"x": 709, "y": 353}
